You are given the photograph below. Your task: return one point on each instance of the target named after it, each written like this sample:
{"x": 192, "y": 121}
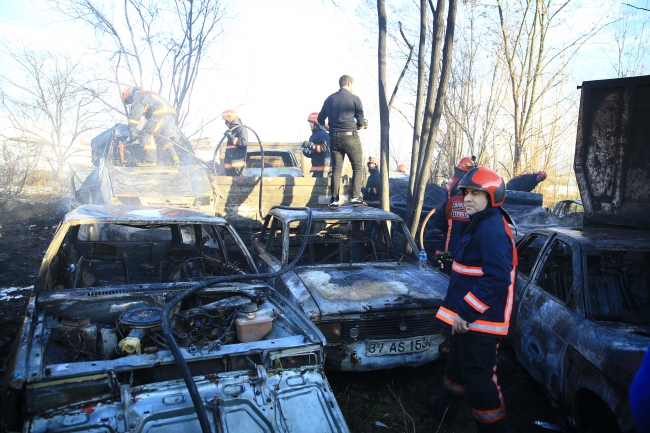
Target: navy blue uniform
{"x": 320, "y": 161}
{"x": 481, "y": 291}
{"x": 523, "y": 182}
{"x": 372, "y": 192}
{"x": 235, "y": 160}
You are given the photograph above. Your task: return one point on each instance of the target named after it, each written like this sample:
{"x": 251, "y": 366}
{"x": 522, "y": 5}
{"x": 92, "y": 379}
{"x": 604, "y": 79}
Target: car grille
{"x": 378, "y": 328}
{"x": 145, "y": 289}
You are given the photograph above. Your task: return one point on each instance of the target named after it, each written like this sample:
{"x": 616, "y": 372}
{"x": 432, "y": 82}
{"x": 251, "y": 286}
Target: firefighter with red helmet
{"x": 526, "y": 182}
{"x": 161, "y": 127}
{"x": 317, "y": 148}
{"x": 451, "y": 217}
{"x": 478, "y": 304}
{"x": 237, "y": 135}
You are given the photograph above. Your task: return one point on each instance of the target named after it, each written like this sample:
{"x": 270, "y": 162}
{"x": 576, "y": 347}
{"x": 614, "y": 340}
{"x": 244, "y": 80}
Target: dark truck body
{"x": 581, "y": 319}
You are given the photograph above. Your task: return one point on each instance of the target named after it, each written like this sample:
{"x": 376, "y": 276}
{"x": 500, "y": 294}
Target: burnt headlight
{"x": 331, "y": 331}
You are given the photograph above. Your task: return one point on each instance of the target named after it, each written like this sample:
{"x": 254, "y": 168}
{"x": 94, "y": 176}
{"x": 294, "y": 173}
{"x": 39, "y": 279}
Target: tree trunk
{"x": 384, "y": 116}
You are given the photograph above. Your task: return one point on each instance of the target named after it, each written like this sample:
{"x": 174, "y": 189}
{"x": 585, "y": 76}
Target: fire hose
{"x": 166, "y": 315}
{"x": 259, "y": 142}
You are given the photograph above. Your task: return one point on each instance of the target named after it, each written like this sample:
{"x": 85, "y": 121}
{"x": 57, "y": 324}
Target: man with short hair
{"x": 317, "y": 148}
{"x": 237, "y": 136}
{"x": 478, "y": 304}
{"x": 345, "y": 113}
{"x": 526, "y": 182}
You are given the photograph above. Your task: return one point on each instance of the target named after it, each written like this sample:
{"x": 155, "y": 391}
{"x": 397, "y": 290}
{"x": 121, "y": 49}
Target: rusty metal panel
{"x": 612, "y": 152}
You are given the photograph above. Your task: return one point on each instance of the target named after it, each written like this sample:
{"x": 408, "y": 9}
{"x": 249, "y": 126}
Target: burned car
{"x": 117, "y": 179}
{"x": 360, "y": 282}
{"x": 582, "y": 319}
{"x": 582, "y": 304}
{"x": 93, "y": 353}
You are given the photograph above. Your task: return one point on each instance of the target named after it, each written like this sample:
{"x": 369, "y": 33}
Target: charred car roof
{"x": 137, "y": 214}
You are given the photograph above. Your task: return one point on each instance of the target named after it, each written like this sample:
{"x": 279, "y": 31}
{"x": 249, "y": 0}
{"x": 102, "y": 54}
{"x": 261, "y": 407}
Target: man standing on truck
{"x": 372, "y": 191}
{"x": 478, "y": 304}
{"x": 237, "y": 135}
{"x": 526, "y": 182}
{"x": 317, "y": 148}
{"x": 451, "y": 218}
{"x": 161, "y": 126}
{"x": 345, "y": 113}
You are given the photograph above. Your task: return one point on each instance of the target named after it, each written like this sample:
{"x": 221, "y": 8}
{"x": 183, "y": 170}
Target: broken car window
{"x": 618, "y": 285}
{"x": 528, "y": 253}
{"x": 557, "y": 276}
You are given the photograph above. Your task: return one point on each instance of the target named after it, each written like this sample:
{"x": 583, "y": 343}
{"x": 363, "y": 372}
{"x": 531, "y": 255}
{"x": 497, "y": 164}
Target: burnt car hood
{"x": 159, "y": 181}
{"x": 349, "y": 289}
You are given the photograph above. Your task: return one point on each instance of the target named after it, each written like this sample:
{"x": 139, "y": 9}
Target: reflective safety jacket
{"x": 148, "y": 104}
{"x": 482, "y": 281}
{"x": 321, "y": 162}
{"x": 236, "y": 153}
{"x": 451, "y": 219}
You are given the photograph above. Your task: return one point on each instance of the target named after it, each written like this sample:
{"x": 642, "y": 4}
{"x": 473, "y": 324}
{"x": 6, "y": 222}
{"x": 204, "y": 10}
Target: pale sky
{"x": 282, "y": 58}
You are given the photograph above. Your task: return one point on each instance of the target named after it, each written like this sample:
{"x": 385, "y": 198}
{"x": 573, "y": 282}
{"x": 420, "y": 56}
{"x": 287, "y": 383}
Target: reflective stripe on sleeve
{"x": 490, "y": 327}
{"x": 454, "y": 388}
{"x": 475, "y": 303}
{"x": 475, "y": 271}
{"x": 446, "y": 315}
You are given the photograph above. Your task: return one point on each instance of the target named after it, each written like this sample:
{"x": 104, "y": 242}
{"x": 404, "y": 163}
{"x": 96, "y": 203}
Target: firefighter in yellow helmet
{"x": 237, "y": 135}
{"x": 161, "y": 127}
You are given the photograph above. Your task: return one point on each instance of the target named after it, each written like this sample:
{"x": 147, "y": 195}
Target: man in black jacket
{"x": 526, "y": 182}
{"x": 345, "y": 113}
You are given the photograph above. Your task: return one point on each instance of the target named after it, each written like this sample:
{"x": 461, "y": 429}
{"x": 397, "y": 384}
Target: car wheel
{"x": 595, "y": 417}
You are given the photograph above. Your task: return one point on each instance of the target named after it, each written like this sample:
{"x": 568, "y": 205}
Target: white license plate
{"x": 399, "y": 347}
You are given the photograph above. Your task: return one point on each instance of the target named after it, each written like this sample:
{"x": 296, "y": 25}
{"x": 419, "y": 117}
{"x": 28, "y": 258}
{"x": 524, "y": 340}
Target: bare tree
{"x": 533, "y": 67}
{"x": 439, "y": 72}
{"x": 51, "y": 102}
{"x": 158, "y": 44}
{"x": 631, "y": 34}
{"x": 19, "y": 156}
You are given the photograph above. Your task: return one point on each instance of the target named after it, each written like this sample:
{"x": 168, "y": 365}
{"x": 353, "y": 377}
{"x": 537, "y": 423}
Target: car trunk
{"x": 612, "y": 152}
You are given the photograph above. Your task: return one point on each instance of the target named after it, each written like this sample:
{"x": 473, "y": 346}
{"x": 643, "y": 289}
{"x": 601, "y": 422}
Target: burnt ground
{"x": 394, "y": 398}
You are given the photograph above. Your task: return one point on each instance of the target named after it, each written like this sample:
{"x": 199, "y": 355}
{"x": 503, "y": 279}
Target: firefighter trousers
{"x": 471, "y": 371}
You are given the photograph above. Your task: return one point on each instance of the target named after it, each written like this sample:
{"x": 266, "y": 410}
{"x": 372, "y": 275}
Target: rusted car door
{"x": 552, "y": 305}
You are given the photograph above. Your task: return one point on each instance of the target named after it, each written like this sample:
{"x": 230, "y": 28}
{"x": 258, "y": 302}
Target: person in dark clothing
{"x": 161, "y": 127}
{"x": 372, "y": 191}
{"x": 478, "y": 305}
{"x": 237, "y": 135}
{"x": 345, "y": 113}
{"x": 640, "y": 395}
{"x": 451, "y": 218}
{"x": 317, "y": 148}
{"x": 526, "y": 182}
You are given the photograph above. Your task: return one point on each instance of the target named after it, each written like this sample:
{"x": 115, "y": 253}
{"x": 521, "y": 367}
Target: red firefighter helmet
{"x": 466, "y": 163}
{"x": 229, "y": 115}
{"x": 484, "y": 179}
{"x": 542, "y": 174}
{"x": 313, "y": 117}
{"x": 128, "y": 94}
{"x": 402, "y": 168}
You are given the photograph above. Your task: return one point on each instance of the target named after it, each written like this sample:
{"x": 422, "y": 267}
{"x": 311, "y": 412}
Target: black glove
{"x": 308, "y": 145}
{"x": 445, "y": 260}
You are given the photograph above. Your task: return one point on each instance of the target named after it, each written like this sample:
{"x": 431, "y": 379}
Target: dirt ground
{"x": 382, "y": 401}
